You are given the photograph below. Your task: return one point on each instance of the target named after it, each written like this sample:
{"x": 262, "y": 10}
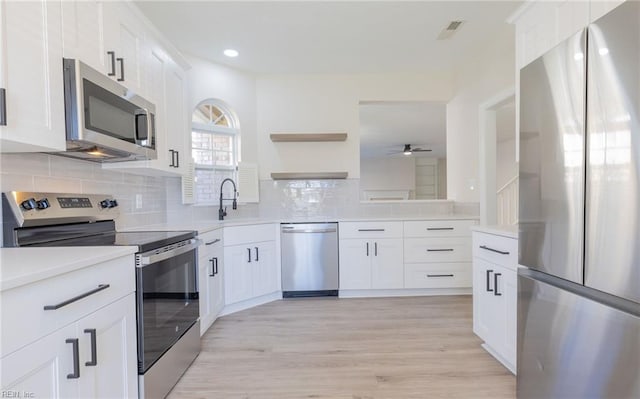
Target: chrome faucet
{"x": 234, "y": 205}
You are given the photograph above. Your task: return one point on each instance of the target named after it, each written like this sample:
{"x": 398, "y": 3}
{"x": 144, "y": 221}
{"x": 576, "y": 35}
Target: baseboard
{"x": 403, "y": 292}
{"x": 249, "y": 303}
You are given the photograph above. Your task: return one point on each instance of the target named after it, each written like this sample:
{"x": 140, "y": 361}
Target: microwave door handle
{"x": 142, "y": 113}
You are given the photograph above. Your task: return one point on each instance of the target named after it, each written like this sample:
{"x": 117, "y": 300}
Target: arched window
{"x": 215, "y": 141}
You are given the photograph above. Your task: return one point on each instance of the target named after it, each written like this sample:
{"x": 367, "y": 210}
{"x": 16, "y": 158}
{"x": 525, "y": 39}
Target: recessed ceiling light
{"x": 231, "y": 52}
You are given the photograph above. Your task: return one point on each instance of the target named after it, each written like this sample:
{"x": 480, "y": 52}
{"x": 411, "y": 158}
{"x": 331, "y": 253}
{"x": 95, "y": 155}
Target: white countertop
{"x": 206, "y": 226}
{"x": 20, "y": 266}
{"x": 510, "y": 231}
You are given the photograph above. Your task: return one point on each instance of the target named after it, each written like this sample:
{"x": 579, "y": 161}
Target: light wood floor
{"x": 419, "y": 347}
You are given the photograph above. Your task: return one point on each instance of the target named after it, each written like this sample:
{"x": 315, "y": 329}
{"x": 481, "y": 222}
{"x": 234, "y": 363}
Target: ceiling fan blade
{"x": 421, "y": 150}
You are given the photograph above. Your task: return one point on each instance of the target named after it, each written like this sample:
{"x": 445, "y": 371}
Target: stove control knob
{"x": 43, "y": 204}
{"x": 29, "y": 204}
{"x": 108, "y": 203}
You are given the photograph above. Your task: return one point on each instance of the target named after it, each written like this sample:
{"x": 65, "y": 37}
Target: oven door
{"x": 167, "y": 299}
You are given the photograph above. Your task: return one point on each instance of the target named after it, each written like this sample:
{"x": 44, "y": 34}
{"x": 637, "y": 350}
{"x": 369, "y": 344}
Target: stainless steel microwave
{"x": 105, "y": 122}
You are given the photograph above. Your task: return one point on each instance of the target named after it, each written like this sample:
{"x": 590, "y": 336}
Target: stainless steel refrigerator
{"x": 579, "y": 235}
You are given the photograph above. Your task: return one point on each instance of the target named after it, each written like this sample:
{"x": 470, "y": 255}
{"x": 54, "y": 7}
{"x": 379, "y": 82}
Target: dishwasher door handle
{"x": 285, "y": 230}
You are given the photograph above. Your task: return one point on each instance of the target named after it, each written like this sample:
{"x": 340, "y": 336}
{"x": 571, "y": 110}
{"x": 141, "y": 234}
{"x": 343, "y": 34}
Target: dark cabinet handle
{"x": 177, "y": 159}
{"x": 257, "y": 254}
{"x": 249, "y": 250}
{"x": 121, "y": 61}
{"x": 112, "y": 54}
{"x": 439, "y": 275}
{"x": 495, "y": 284}
{"x": 215, "y": 264}
{"x": 172, "y": 165}
{"x": 212, "y": 242}
{"x": 489, "y": 289}
{"x": 439, "y": 228}
{"x": 494, "y": 250}
{"x": 3, "y": 107}
{"x": 94, "y": 349}
{"x": 375, "y": 248}
{"x": 440, "y": 250}
{"x": 76, "y": 358}
{"x": 77, "y": 298}
{"x": 367, "y": 249}
{"x": 370, "y": 229}
{"x": 213, "y": 267}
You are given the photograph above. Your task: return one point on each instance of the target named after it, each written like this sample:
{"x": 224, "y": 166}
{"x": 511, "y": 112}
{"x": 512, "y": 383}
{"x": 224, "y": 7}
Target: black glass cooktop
{"x": 144, "y": 240}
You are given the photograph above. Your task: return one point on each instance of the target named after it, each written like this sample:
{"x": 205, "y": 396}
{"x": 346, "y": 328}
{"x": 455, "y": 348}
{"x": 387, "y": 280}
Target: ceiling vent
{"x": 452, "y": 28}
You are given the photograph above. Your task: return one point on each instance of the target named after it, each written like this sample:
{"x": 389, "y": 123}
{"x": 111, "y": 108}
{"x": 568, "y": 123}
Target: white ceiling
{"x": 330, "y": 37}
{"x": 385, "y": 127}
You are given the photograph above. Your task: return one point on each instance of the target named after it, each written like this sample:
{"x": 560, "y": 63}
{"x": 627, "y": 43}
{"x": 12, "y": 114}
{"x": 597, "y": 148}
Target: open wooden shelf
{"x": 308, "y": 175}
{"x": 307, "y": 137}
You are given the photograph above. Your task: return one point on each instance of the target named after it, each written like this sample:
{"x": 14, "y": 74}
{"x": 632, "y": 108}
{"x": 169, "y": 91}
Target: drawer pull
{"x": 77, "y": 298}
{"x": 370, "y": 229}
{"x": 494, "y": 250}
{"x": 440, "y": 250}
{"x": 212, "y": 242}
{"x": 439, "y": 228}
{"x": 439, "y": 275}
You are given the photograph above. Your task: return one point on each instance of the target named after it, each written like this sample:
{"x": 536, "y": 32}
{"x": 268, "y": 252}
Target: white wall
{"x": 388, "y": 174}
{"x": 489, "y": 73}
{"x": 506, "y": 166}
{"x": 329, "y": 103}
{"x": 235, "y": 88}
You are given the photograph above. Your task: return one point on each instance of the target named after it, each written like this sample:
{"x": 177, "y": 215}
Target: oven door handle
{"x": 151, "y": 257}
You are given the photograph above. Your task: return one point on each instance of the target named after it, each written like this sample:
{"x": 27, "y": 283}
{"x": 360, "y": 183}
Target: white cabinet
{"x": 167, "y": 89}
{"x": 251, "y": 268}
{"x": 437, "y": 254}
{"x": 371, "y": 255}
{"x": 210, "y": 278}
{"x": 31, "y": 77}
{"x": 124, "y": 41}
{"x": 83, "y": 344}
{"x": 83, "y": 38}
{"x": 495, "y": 295}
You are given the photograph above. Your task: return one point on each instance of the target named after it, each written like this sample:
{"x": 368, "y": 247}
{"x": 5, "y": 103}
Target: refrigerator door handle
{"x": 489, "y": 289}
{"x": 495, "y": 284}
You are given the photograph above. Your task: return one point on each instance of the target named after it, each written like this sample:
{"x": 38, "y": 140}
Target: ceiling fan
{"x": 408, "y": 150}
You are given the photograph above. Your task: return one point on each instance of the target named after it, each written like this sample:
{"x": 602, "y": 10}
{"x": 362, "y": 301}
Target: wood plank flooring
{"x": 373, "y": 348}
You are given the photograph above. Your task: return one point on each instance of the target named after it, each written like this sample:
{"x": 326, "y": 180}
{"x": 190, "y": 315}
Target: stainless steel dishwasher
{"x": 309, "y": 259}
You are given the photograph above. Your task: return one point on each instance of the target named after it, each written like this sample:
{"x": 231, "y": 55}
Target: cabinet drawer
{"x": 444, "y": 275}
{"x": 451, "y": 249}
{"x": 496, "y": 249}
{"x": 23, "y": 307}
{"x": 210, "y": 242}
{"x": 370, "y": 229}
{"x": 438, "y": 228}
{"x": 236, "y": 235}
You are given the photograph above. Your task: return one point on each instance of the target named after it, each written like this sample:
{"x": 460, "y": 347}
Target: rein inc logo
{"x": 9, "y": 393}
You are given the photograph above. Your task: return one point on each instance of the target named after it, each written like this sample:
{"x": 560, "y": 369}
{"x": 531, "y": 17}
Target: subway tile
{"x": 33, "y": 163}
{"x": 16, "y": 182}
{"x": 57, "y": 184}
{"x": 67, "y": 167}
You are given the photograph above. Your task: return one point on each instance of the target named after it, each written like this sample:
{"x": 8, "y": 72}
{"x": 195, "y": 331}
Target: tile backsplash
{"x": 161, "y": 198}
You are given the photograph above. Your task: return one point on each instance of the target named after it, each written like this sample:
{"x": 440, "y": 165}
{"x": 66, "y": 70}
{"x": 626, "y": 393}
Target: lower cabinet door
{"x": 387, "y": 266}
{"x": 355, "y": 264}
{"x": 238, "y": 279}
{"x": 265, "y": 272}
{"x": 502, "y": 337}
{"x": 217, "y": 289}
{"x": 108, "y": 356}
{"x": 483, "y": 298}
{"x": 43, "y": 369}
{"x": 205, "y": 289}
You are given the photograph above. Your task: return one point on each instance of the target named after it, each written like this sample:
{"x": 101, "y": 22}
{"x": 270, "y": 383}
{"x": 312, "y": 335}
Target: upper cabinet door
{"x": 552, "y": 112}
{"x": 83, "y": 33}
{"x": 124, "y": 41}
{"x": 613, "y": 142}
{"x": 31, "y": 76}
{"x": 176, "y": 118}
